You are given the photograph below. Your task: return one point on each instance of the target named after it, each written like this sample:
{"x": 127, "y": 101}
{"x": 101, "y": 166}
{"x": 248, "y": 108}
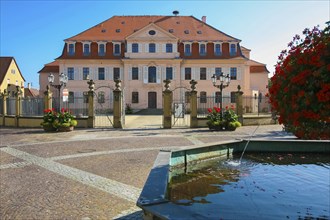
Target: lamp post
{"x": 63, "y": 79}
{"x": 224, "y": 82}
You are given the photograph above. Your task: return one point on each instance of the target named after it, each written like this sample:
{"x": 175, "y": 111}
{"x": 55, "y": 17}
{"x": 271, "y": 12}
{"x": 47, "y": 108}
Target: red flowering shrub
{"x": 300, "y": 88}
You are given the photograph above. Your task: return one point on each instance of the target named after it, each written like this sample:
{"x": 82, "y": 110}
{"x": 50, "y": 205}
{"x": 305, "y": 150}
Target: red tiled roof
{"x": 256, "y": 67}
{"x": 50, "y": 67}
{"x": 31, "y": 92}
{"x": 107, "y": 30}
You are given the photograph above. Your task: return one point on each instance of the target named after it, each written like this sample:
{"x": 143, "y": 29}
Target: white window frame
{"x": 105, "y": 48}
{"x": 89, "y": 48}
{"x": 200, "y": 45}
{"x": 231, "y": 54}
{"x": 215, "y": 45}
{"x": 68, "y": 48}
{"x": 184, "y": 48}
{"x": 114, "y": 46}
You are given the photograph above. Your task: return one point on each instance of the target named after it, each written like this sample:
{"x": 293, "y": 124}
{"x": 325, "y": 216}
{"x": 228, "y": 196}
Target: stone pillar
{"x": 4, "y": 106}
{"x": 193, "y": 105}
{"x": 239, "y": 104}
{"x": 18, "y": 105}
{"x": 91, "y": 113}
{"x": 4, "y": 99}
{"x": 48, "y": 104}
{"x": 117, "y": 105}
{"x": 167, "y": 105}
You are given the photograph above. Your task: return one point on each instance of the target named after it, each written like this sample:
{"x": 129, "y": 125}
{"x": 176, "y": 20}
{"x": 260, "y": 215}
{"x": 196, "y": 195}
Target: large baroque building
{"x": 142, "y": 51}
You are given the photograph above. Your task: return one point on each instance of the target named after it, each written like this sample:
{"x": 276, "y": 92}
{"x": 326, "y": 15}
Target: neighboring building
{"x": 10, "y": 76}
{"x": 31, "y": 92}
{"x": 142, "y": 51}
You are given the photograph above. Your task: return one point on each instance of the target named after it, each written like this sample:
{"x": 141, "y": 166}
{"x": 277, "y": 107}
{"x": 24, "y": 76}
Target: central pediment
{"x": 151, "y": 32}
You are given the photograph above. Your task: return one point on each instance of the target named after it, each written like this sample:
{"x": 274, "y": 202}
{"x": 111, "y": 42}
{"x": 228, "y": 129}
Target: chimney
{"x": 29, "y": 86}
{"x": 204, "y": 19}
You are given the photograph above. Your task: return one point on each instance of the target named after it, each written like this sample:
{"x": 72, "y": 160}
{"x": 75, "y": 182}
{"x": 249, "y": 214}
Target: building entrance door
{"x": 152, "y": 100}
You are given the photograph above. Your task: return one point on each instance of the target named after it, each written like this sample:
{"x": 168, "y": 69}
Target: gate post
{"x": 4, "y": 100}
{"x": 193, "y": 105}
{"x": 91, "y": 114}
{"x": 239, "y": 104}
{"x": 48, "y": 104}
{"x": 167, "y": 105}
{"x": 117, "y": 105}
{"x": 4, "y": 106}
{"x": 18, "y": 105}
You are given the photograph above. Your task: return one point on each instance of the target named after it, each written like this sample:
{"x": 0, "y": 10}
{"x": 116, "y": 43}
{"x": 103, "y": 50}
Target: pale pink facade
{"x": 143, "y": 55}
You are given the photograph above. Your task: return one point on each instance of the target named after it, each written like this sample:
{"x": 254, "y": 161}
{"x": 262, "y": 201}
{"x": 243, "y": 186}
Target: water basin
{"x": 262, "y": 186}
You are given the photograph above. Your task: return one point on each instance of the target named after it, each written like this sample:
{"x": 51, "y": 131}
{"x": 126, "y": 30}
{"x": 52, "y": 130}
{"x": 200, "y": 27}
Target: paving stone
{"x": 36, "y": 193}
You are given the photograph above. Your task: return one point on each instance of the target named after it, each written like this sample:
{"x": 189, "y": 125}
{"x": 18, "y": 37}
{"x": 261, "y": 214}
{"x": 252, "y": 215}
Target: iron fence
{"x": 78, "y": 106}
{"x": 256, "y": 105}
{"x": 32, "y": 106}
{"x": 251, "y": 105}
{"x": 204, "y": 103}
{"x": 11, "y": 106}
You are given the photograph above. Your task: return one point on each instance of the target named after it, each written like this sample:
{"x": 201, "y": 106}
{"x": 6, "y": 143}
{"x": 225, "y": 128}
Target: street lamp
{"x": 63, "y": 79}
{"x": 224, "y": 82}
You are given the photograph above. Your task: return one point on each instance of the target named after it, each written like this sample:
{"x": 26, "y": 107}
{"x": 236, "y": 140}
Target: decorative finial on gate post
{"x": 167, "y": 84}
{"x": 117, "y": 84}
{"x": 91, "y": 84}
{"x": 193, "y": 85}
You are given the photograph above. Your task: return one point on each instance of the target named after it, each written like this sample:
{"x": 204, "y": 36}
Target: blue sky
{"x": 33, "y": 31}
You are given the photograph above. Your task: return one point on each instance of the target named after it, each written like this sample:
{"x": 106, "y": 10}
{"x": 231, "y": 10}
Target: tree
{"x": 299, "y": 91}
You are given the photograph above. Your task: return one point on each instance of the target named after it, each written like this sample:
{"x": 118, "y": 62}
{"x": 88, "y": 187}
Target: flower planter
{"x": 65, "y": 129}
{"x": 49, "y": 128}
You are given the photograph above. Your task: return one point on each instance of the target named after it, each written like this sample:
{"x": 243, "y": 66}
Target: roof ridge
{"x": 215, "y": 28}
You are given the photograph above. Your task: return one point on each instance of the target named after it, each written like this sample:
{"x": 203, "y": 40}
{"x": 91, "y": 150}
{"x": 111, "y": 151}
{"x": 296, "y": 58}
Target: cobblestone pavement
{"x": 90, "y": 173}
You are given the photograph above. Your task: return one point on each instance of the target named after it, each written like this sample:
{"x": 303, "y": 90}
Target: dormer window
{"x": 101, "y": 49}
{"x": 187, "y": 49}
{"x": 117, "y": 30}
{"x": 199, "y": 32}
{"x": 171, "y": 30}
{"x": 87, "y": 51}
{"x": 116, "y": 49}
{"x": 186, "y": 31}
{"x": 202, "y": 49}
{"x": 71, "y": 49}
{"x": 233, "y": 49}
{"x": 217, "y": 49}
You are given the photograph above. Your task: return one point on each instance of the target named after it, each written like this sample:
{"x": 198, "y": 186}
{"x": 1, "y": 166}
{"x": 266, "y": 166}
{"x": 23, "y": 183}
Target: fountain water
{"x": 236, "y": 163}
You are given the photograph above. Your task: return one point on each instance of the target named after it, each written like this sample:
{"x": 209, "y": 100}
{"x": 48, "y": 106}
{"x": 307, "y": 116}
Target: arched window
{"x": 187, "y": 50}
{"x": 152, "y": 74}
{"x": 232, "y": 49}
{"x": 202, "y": 50}
{"x": 86, "y": 50}
{"x": 116, "y": 51}
{"x": 217, "y": 50}
{"x": 101, "y": 50}
{"x": 71, "y": 49}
